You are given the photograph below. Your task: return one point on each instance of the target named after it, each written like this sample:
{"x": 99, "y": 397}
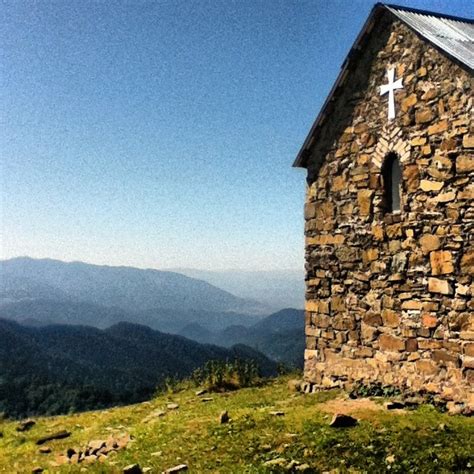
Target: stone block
{"x": 412, "y": 305}
{"x": 427, "y": 185}
{"x": 468, "y": 141}
{"x": 370, "y": 255}
{"x": 309, "y": 210}
{"x": 310, "y": 354}
{"x": 445, "y": 356}
{"x": 438, "y": 128}
{"x": 435, "y": 285}
{"x": 424, "y": 116}
{"x": 364, "y": 199}
{"x": 441, "y": 262}
{"x": 390, "y": 318}
{"x": 429, "y": 242}
{"x": 411, "y": 175}
{"x": 372, "y": 319}
{"x": 391, "y": 343}
{"x": 411, "y": 345}
{"x": 429, "y": 321}
{"x": 467, "y": 262}
{"x": 426, "y": 367}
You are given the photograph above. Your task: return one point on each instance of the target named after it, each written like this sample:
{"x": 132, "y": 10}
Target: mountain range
{"x": 127, "y": 288}
{"x": 50, "y": 291}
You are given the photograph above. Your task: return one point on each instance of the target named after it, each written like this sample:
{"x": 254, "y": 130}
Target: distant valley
{"x": 279, "y": 336}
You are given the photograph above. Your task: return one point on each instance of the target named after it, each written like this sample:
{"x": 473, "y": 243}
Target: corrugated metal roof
{"x": 454, "y": 36}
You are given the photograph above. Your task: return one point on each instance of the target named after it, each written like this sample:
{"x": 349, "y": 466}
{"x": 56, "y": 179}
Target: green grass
{"x": 422, "y": 440}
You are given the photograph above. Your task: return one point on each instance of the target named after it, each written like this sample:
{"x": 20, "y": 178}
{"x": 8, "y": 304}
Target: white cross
{"x": 390, "y": 87}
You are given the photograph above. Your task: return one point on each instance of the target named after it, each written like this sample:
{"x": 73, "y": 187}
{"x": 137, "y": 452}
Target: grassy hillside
{"x": 271, "y": 430}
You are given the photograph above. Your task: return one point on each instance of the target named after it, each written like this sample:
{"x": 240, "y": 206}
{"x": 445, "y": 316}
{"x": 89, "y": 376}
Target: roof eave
{"x": 300, "y": 161}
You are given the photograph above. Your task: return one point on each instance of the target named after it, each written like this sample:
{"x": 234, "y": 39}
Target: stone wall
{"x": 389, "y": 295}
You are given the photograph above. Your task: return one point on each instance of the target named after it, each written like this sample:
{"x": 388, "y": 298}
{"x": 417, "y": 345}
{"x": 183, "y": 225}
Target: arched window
{"x": 392, "y": 174}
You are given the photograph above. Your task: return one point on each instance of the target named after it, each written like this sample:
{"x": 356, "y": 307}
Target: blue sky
{"x": 161, "y": 134}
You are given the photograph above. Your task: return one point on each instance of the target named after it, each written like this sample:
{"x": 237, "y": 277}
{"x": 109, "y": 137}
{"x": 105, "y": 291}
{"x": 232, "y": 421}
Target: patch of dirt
{"x": 347, "y": 406}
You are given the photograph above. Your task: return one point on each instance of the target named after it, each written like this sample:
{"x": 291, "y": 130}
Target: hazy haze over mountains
{"x": 45, "y": 291}
{"x": 277, "y": 289}
{"x": 130, "y": 289}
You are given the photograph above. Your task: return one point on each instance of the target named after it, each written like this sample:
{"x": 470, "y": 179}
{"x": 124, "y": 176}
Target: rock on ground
{"x": 342, "y": 421}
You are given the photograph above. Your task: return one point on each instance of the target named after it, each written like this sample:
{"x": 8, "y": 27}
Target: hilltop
{"x": 271, "y": 429}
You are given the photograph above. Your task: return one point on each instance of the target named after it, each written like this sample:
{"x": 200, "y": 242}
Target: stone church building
{"x": 389, "y": 216}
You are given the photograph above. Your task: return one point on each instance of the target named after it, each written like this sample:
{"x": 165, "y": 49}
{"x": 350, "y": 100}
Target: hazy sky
{"x": 162, "y": 133}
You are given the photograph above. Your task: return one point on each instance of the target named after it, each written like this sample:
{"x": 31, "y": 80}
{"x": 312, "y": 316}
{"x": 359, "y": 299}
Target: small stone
{"x": 224, "y": 417}
{"x": 172, "y": 406}
{"x": 44, "y": 450}
{"x": 303, "y": 468}
{"x": 277, "y": 462}
{"x": 70, "y": 452}
{"x": 132, "y": 469}
{"x": 178, "y": 468}
{"x": 89, "y": 459}
{"x": 294, "y": 385}
{"x": 201, "y": 392}
{"x": 207, "y": 399}
{"x": 123, "y": 441}
{"x": 95, "y": 445}
{"x": 277, "y": 413}
{"x": 58, "y": 435}
{"x": 342, "y": 421}
{"x": 394, "y": 405}
{"x": 26, "y": 425}
{"x": 454, "y": 408}
{"x": 153, "y": 415}
{"x": 37, "y": 469}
